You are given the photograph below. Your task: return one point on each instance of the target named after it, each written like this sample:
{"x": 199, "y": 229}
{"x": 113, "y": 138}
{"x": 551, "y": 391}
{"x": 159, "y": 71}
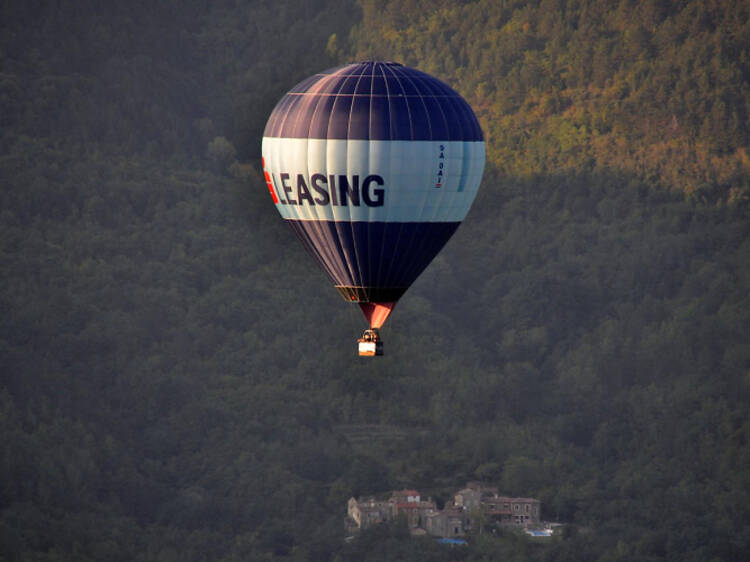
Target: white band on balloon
{"x": 388, "y": 181}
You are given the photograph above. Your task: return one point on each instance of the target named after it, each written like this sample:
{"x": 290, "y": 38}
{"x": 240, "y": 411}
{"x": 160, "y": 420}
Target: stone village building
{"x": 370, "y": 511}
{"x": 474, "y": 505}
{"x": 501, "y": 509}
{"x": 448, "y": 523}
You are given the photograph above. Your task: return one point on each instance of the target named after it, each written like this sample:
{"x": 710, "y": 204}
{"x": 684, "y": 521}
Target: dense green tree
{"x": 167, "y": 388}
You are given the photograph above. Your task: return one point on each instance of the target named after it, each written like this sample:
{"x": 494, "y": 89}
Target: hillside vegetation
{"x": 651, "y": 88}
{"x": 178, "y": 380}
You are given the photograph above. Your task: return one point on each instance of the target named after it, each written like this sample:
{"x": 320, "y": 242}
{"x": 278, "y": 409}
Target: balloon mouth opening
{"x": 370, "y": 294}
{"x": 376, "y": 313}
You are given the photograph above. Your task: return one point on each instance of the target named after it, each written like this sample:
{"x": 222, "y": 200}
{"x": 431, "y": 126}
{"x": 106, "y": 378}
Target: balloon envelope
{"x": 374, "y": 165}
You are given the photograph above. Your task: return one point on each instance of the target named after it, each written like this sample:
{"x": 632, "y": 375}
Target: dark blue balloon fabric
{"x": 373, "y": 261}
{"x": 373, "y": 101}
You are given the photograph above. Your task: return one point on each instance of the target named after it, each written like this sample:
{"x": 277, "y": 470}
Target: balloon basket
{"x": 370, "y": 344}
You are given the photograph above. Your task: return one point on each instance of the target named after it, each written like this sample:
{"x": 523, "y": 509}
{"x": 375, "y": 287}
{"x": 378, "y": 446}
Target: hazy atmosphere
{"x": 179, "y": 381}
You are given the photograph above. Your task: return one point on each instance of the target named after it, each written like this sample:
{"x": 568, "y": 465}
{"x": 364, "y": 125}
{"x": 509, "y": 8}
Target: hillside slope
{"x": 652, "y": 89}
{"x": 178, "y": 382}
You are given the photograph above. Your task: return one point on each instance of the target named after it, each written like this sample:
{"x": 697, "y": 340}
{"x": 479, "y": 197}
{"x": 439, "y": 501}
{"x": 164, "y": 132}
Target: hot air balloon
{"x": 374, "y": 165}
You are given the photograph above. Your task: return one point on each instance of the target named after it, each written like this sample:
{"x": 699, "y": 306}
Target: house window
{"x": 515, "y": 507}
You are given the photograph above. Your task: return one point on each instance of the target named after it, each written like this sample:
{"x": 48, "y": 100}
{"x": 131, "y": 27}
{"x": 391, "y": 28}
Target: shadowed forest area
{"x": 178, "y": 381}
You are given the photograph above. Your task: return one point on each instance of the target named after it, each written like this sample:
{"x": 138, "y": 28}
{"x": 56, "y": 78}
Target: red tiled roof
{"x": 415, "y": 505}
{"x": 499, "y": 499}
{"x": 499, "y": 512}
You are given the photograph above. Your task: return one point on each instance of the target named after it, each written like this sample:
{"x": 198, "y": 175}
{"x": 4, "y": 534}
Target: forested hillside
{"x": 178, "y": 381}
{"x": 652, "y": 88}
